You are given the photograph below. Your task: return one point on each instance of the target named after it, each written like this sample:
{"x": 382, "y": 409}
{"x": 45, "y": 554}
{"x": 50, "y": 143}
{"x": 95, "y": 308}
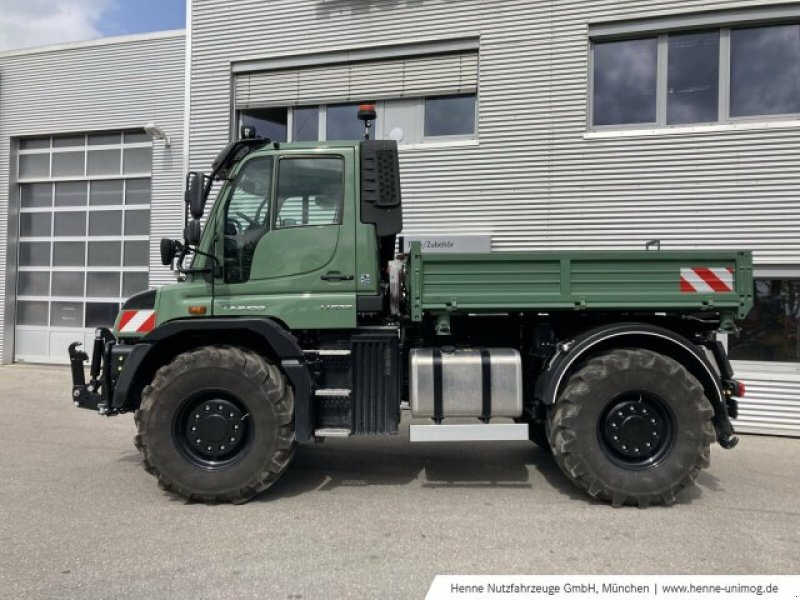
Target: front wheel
{"x": 215, "y": 425}
{"x": 632, "y": 427}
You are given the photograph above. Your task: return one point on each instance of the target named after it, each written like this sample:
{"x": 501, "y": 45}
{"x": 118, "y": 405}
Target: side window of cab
{"x": 310, "y": 192}
{"x": 247, "y": 217}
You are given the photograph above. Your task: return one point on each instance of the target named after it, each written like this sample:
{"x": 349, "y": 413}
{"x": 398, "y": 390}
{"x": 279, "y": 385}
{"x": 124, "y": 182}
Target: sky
{"x": 29, "y": 23}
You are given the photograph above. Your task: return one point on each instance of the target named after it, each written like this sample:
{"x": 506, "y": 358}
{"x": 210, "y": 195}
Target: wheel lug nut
{"x": 624, "y": 447}
{"x": 233, "y": 439}
{"x": 208, "y": 407}
{"x": 655, "y": 434}
{"x": 647, "y": 444}
{"x": 194, "y": 428}
{"x": 220, "y": 407}
{"x": 197, "y": 441}
{"x": 636, "y": 450}
{"x": 619, "y": 413}
{"x": 209, "y": 448}
{"x": 222, "y": 447}
{"x": 230, "y": 415}
{"x": 644, "y": 411}
{"x": 653, "y": 421}
{"x": 616, "y": 437}
{"x": 197, "y": 416}
{"x": 236, "y": 427}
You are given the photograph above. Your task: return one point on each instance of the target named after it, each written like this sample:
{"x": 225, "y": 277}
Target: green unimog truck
{"x": 298, "y": 319}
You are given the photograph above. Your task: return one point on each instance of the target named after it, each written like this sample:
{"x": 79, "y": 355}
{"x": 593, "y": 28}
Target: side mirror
{"x": 195, "y": 194}
{"x": 191, "y": 233}
{"x": 169, "y": 249}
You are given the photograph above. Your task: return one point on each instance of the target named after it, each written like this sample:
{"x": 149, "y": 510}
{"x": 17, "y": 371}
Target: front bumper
{"x": 108, "y": 361}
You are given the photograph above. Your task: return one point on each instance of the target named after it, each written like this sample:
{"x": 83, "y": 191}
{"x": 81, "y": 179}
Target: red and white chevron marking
{"x": 707, "y": 280}
{"x": 137, "y": 321}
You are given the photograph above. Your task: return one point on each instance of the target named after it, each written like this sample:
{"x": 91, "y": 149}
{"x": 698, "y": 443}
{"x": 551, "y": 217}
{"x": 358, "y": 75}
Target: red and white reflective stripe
{"x": 707, "y": 280}
{"x": 137, "y": 321}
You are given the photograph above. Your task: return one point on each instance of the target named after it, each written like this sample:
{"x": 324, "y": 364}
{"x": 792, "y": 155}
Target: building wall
{"x": 114, "y": 84}
{"x": 537, "y": 178}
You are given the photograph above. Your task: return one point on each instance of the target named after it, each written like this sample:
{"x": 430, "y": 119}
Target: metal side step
{"x": 329, "y": 352}
{"x": 479, "y": 432}
{"x": 332, "y": 432}
{"x": 333, "y": 392}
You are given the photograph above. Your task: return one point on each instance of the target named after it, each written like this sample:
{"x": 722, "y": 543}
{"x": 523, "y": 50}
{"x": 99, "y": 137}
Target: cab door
{"x": 289, "y": 240}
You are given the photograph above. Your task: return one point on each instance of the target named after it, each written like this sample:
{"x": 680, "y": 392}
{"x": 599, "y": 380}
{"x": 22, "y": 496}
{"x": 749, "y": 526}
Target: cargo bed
{"x": 657, "y": 280}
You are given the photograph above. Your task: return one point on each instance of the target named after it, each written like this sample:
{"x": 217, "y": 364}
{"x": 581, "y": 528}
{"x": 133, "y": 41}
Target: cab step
{"x": 333, "y": 393}
{"x": 332, "y": 432}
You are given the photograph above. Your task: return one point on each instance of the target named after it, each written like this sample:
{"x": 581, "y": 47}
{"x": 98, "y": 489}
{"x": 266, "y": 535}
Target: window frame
{"x": 662, "y": 71}
{"x": 322, "y": 125}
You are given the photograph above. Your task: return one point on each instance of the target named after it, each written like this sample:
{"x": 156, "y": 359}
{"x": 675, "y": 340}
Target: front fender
{"x": 261, "y": 335}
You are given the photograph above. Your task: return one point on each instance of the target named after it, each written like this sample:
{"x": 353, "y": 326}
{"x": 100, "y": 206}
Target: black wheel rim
{"x": 637, "y": 430}
{"x": 213, "y": 429}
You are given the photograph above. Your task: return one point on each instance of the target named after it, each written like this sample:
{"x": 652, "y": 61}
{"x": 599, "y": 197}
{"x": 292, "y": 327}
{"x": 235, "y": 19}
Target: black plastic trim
{"x": 282, "y": 344}
{"x": 438, "y": 400}
{"x": 370, "y": 304}
{"x": 486, "y": 386}
{"x": 142, "y": 300}
{"x": 129, "y": 374}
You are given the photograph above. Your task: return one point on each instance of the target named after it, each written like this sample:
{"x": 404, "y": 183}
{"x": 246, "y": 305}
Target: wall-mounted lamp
{"x": 155, "y": 132}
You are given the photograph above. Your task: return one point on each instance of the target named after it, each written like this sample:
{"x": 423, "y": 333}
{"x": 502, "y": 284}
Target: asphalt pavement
{"x": 353, "y": 518}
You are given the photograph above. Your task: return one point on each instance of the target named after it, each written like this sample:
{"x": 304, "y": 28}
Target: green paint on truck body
{"x": 285, "y": 282}
{"x": 573, "y": 280}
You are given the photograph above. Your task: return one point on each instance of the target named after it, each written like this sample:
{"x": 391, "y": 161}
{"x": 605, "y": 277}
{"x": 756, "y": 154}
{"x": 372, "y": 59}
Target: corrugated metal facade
{"x": 106, "y": 86}
{"x": 536, "y": 178}
{"x": 772, "y": 405}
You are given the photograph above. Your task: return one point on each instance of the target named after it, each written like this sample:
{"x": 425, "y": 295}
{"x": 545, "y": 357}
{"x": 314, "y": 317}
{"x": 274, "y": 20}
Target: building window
{"x": 305, "y": 124}
{"x": 693, "y": 78}
{"x": 681, "y": 78}
{"x": 765, "y": 71}
{"x": 771, "y": 332}
{"x": 625, "y": 82}
{"x": 270, "y": 123}
{"x": 406, "y": 120}
{"x": 342, "y": 123}
{"x": 450, "y": 116}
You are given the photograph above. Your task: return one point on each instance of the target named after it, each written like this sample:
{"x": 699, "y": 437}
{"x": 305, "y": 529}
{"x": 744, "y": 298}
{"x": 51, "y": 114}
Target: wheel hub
{"x": 214, "y": 428}
{"x": 636, "y": 428}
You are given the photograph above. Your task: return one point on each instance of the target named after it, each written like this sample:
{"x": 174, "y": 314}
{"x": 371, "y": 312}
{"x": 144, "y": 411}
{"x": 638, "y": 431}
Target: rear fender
{"x": 572, "y": 353}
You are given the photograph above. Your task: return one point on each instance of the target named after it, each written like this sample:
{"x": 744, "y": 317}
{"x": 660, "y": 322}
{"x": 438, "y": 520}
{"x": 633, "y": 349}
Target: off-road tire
{"x": 260, "y": 388}
{"x": 575, "y": 421}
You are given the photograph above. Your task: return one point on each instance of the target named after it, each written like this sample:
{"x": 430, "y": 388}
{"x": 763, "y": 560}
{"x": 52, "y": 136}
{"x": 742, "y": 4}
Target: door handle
{"x": 336, "y": 276}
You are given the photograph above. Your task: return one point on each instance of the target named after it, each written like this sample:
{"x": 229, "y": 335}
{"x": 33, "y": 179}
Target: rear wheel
{"x": 632, "y": 427}
{"x": 215, "y": 425}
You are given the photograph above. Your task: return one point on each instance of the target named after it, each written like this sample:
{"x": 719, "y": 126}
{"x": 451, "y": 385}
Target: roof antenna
{"x": 366, "y": 112}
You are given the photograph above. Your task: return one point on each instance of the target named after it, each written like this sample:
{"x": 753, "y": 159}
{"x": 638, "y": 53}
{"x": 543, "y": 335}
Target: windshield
{"x": 247, "y": 213}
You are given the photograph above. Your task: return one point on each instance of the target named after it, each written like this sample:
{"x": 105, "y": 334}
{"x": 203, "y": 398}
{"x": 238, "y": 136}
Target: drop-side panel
{"x": 687, "y": 280}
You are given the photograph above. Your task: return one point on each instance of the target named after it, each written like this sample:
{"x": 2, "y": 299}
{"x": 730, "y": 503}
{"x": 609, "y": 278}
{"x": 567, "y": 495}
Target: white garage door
{"x": 84, "y": 227}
